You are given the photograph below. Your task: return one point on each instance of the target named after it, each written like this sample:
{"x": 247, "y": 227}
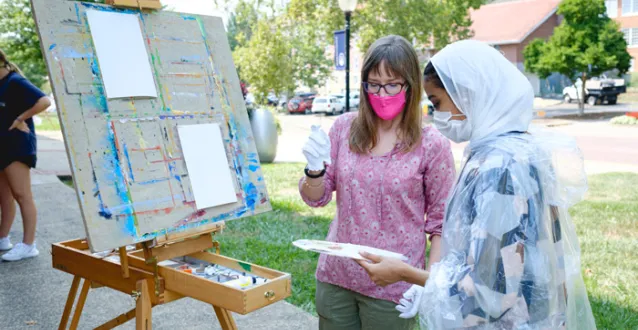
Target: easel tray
{"x": 172, "y": 284}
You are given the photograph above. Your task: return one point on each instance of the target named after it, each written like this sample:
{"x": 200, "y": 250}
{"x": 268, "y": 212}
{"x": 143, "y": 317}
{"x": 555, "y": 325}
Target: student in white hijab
{"x": 510, "y": 255}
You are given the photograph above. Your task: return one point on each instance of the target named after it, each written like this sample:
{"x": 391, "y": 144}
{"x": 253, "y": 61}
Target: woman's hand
{"x": 383, "y": 271}
{"x": 317, "y": 149}
{"x": 21, "y": 125}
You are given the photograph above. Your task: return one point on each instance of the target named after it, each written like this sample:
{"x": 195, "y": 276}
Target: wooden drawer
{"x": 277, "y": 288}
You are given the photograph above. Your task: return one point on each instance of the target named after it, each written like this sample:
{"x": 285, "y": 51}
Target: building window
{"x": 631, "y": 37}
{"x": 612, "y": 8}
{"x": 629, "y": 7}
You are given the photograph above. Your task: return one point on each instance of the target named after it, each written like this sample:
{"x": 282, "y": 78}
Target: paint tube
{"x": 240, "y": 283}
{"x": 246, "y": 281}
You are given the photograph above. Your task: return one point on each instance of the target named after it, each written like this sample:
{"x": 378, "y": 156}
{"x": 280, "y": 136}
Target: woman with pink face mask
{"x": 388, "y": 172}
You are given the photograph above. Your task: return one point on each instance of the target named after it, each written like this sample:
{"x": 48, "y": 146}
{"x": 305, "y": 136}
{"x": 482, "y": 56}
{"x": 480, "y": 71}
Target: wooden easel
{"x": 142, "y": 4}
{"x": 140, "y": 272}
{"x": 139, "y": 275}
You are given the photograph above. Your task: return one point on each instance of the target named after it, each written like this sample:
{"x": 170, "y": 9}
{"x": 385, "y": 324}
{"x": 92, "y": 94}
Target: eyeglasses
{"x": 390, "y": 89}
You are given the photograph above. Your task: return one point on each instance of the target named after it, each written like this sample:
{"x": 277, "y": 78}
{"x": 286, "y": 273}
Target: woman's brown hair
{"x": 5, "y": 63}
{"x": 400, "y": 60}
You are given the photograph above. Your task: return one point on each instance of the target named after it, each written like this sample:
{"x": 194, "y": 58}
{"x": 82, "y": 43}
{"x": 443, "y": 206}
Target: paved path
{"x": 33, "y": 294}
{"x": 606, "y": 148}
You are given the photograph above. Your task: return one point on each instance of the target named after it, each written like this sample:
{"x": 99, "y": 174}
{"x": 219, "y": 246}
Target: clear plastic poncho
{"x": 510, "y": 254}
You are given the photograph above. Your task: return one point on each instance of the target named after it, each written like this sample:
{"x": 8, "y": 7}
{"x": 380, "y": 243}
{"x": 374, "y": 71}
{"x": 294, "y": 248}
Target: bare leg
{"x": 19, "y": 177}
{"x": 7, "y": 206}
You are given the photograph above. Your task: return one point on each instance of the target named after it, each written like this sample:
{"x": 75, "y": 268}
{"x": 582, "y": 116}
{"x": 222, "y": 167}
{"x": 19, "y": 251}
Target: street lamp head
{"x": 348, "y": 6}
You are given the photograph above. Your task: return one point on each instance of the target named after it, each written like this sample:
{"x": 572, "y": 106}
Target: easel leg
{"x": 118, "y": 320}
{"x": 225, "y": 318}
{"x": 80, "y": 306}
{"x": 69, "y": 303}
{"x": 143, "y": 308}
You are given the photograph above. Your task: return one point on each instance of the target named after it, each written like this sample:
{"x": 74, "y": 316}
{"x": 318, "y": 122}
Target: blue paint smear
{"x": 152, "y": 181}
{"x": 188, "y": 18}
{"x": 115, "y": 175}
{"x": 109, "y": 8}
{"x": 253, "y": 168}
{"x": 128, "y": 160}
{"x": 171, "y": 171}
{"x": 191, "y": 58}
{"x": 103, "y": 210}
{"x": 251, "y": 195}
{"x": 52, "y": 46}
{"x": 72, "y": 53}
{"x": 151, "y": 203}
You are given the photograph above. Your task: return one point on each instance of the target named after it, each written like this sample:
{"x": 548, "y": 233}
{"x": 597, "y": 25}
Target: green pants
{"x": 342, "y": 309}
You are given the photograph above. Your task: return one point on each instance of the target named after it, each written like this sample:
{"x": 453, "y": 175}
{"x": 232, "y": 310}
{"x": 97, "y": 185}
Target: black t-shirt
{"x": 17, "y": 95}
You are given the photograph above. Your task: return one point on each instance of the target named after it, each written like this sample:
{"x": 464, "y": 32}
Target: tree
{"x": 265, "y": 61}
{"x": 429, "y": 22}
{"x": 308, "y": 27}
{"x": 586, "y": 44}
{"x": 19, "y": 39}
{"x": 240, "y": 24}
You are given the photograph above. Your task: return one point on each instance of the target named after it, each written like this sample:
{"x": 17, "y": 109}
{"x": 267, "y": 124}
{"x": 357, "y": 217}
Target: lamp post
{"x": 348, "y": 7}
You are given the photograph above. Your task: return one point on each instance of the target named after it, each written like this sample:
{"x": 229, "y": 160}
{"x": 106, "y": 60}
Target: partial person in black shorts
{"x": 19, "y": 102}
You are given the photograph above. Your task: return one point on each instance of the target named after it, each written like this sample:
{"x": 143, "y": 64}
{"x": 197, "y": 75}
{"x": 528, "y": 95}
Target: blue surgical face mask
{"x": 455, "y": 130}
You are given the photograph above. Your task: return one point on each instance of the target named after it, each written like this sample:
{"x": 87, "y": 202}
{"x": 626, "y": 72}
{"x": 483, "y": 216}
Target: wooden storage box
{"x": 75, "y": 258}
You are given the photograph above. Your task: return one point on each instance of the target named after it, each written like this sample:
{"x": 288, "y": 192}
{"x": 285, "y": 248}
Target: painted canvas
{"x": 126, "y": 156}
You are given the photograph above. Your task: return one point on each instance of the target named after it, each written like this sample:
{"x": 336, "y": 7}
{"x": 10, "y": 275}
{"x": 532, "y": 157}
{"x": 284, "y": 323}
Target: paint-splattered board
{"x": 129, "y": 173}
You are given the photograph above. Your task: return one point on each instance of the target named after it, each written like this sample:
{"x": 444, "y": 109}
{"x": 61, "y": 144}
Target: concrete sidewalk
{"x": 33, "y": 294}
{"x": 607, "y": 148}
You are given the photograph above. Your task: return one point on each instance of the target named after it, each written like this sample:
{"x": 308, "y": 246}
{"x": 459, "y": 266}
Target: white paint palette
{"x": 345, "y": 250}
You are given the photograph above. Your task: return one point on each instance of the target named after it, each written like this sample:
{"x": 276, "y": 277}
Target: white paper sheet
{"x": 207, "y": 165}
{"x": 122, "y": 55}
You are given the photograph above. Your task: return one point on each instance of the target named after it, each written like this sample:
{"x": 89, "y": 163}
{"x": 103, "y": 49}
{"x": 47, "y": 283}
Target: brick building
{"x": 625, "y": 12}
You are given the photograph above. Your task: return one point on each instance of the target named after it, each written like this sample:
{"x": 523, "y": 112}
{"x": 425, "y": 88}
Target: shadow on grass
{"x": 266, "y": 240}
{"x": 611, "y": 316}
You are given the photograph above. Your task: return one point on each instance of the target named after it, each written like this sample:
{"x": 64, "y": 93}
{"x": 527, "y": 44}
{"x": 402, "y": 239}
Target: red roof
{"x": 510, "y": 22}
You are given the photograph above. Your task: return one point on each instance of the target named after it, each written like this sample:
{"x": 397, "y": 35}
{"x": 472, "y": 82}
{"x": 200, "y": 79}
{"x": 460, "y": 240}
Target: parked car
{"x": 283, "y": 102}
{"x": 301, "y": 103}
{"x": 427, "y": 106}
{"x": 272, "y": 99}
{"x": 330, "y": 105}
{"x": 354, "y": 101}
{"x": 598, "y": 91}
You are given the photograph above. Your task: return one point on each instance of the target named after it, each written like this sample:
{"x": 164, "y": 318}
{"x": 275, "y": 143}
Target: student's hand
{"x": 383, "y": 271}
{"x": 21, "y": 125}
{"x": 409, "y": 304}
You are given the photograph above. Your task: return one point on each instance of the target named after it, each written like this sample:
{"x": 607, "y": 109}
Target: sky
{"x": 201, "y": 7}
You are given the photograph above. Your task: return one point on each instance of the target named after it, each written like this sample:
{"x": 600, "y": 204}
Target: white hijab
{"x": 492, "y": 93}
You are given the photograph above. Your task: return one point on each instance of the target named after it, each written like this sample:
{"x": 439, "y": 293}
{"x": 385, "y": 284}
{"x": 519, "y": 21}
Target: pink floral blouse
{"x": 381, "y": 202}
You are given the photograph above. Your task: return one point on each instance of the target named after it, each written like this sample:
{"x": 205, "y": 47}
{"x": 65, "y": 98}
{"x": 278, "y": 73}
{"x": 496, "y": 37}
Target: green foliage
{"x": 240, "y": 25}
{"x": 587, "y": 43}
{"x": 307, "y": 27}
{"x": 265, "y": 61}
{"x": 19, "y": 40}
{"x": 423, "y": 21}
{"x": 624, "y": 120}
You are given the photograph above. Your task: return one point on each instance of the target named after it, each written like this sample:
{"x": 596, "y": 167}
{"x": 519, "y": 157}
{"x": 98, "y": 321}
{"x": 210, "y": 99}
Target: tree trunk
{"x": 583, "y": 98}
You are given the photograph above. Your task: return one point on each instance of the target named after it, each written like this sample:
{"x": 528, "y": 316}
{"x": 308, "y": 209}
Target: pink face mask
{"x": 387, "y": 107}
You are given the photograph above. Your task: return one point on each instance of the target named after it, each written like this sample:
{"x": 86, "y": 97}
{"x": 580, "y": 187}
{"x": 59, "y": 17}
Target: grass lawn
{"x": 50, "y": 122}
{"x": 607, "y": 224}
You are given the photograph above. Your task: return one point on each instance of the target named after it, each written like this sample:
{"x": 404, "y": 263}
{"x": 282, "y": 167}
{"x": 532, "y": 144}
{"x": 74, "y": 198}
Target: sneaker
{"x": 5, "y": 244}
{"x": 21, "y": 251}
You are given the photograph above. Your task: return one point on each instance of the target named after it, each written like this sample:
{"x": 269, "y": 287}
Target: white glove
{"x": 409, "y": 306}
{"x": 317, "y": 149}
